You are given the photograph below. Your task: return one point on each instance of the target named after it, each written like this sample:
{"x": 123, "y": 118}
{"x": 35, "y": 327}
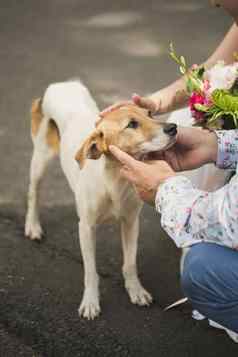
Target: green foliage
{"x": 200, "y": 72}
{"x": 201, "y": 107}
{"x": 179, "y": 60}
{"x": 225, "y": 105}
{"x": 194, "y": 76}
{"x": 225, "y": 100}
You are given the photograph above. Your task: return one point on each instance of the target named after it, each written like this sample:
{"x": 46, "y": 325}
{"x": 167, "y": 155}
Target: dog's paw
{"x": 139, "y": 295}
{"x": 89, "y": 308}
{"x": 33, "y": 230}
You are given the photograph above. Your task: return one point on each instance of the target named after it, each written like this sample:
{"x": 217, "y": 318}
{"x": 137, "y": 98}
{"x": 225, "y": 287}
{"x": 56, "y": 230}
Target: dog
{"x": 65, "y": 123}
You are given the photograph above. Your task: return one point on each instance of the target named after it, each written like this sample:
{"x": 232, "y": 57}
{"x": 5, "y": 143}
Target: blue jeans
{"x": 210, "y": 281}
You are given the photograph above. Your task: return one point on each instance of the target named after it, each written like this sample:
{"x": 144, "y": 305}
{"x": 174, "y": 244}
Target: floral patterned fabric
{"x": 190, "y": 216}
{"x": 227, "y": 149}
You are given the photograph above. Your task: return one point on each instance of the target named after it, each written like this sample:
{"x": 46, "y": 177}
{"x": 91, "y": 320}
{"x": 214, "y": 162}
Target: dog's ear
{"x": 92, "y": 148}
{"x": 98, "y": 121}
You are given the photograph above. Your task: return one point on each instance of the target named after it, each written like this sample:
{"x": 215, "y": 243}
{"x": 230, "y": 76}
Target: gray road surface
{"x": 116, "y": 47}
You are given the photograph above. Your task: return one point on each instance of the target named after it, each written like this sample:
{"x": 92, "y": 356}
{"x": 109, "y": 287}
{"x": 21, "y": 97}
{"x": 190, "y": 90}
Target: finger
{"x": 141, "y": 193}
{"x": 169, "y": 155}
{"x": 128, "y": 175}
{"x": 113, "y": 107}
{"x": 144, "y": 103}
{"x": 136, "y": 98}
{"x": 123, "y": 157}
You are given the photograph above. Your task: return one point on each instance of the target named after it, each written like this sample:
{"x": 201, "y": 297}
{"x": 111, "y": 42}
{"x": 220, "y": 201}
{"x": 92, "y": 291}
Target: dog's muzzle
{"x": 170, "y": 129}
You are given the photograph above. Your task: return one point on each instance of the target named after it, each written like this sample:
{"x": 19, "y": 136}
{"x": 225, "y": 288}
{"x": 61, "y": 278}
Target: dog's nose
{"x": 170, "y": 129}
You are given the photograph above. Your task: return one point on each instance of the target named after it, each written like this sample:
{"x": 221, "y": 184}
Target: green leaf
{"x": 201, "y": 107}
{"x": 179, "y": 60}
{"x": 182, "y": 60}
{"x": 201, "y": 71}
{"x": 182, "y": 70}
{"x": 171, "y": 47}
{"x": 190, "y": 87}
{"x": 225, "y": 100}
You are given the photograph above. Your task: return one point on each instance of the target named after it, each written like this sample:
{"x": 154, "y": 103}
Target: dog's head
{"x": 132, "y": 130}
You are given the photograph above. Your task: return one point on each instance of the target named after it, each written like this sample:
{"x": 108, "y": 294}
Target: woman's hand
{"x": 143, "y": 102}
{"x": 163, "y": 101}
{"x": 193, "y": 148}
{"x": 146, "y": 177}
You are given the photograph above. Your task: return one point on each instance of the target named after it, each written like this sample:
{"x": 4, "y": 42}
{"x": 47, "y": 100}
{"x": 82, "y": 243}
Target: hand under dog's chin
{"x": 155, "y": 153}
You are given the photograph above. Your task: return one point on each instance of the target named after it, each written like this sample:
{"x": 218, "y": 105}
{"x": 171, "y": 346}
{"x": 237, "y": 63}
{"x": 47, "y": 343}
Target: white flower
{"x": 221, "y": 76}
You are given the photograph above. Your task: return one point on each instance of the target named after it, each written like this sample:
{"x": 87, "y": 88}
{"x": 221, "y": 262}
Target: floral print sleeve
{"x": 227, "y": 148}
{"x": 190, "y": 215}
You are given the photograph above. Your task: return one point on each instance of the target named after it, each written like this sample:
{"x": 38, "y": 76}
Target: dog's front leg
{"x": 89, "y": 307}
{"x": 129, "y": 233}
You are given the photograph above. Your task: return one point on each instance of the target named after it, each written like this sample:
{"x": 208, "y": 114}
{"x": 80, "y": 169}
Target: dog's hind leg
{"x": 43, "y": 152}
{"x": 129, "y": 233}
{"x": 89, "y": 307}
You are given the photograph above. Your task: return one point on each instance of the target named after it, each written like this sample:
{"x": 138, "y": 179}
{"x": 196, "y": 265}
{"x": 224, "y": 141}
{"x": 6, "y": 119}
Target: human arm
{"x": 226, "y": 49}
{"x": 195, "y": 215}
{"x": 190, "y": 215}
{"x": 193, "y": 148}
{"x": 227, "y": 153}
{"x": 174, "y": 96}
{"x": 196, "y": 147}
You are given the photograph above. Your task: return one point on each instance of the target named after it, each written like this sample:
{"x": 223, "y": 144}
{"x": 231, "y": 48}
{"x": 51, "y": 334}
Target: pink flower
{"x": 194, "y": 66}
{"x": 206, "y": 85}
{"x": 208, "y": 101}
{"x": 221, "y": 76}
{"x": 197, "y": 98}
{"x": 198, "y": 116}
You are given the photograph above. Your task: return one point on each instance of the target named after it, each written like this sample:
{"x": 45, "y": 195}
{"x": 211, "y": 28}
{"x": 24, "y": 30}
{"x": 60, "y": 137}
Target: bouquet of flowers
{"x": 213, "y": 93}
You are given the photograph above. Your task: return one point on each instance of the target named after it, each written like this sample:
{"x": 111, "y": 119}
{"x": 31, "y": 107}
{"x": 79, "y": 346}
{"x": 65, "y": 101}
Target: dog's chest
{"x": 122, "y": 200}
{"x": 115, "y": 207}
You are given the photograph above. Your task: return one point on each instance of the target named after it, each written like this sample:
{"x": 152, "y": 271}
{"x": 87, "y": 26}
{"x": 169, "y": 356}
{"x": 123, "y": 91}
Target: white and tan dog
{"x": 64, "y": 123}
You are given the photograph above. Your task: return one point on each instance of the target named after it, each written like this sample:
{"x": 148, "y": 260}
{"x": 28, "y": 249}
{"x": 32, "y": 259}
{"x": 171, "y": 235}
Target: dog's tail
{"x": 40, "y": 123}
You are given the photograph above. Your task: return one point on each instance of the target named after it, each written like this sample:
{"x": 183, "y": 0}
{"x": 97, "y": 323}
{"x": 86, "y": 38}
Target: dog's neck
{"x": 112, "y": 168}
{"x": 111, "y": 163}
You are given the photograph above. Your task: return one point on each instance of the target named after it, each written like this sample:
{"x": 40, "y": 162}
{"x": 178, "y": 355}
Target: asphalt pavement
{"x": 116, "y": 48}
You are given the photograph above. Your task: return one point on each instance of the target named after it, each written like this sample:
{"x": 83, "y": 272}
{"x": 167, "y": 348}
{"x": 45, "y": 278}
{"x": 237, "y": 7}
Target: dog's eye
{"x": 133, "y": 124}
